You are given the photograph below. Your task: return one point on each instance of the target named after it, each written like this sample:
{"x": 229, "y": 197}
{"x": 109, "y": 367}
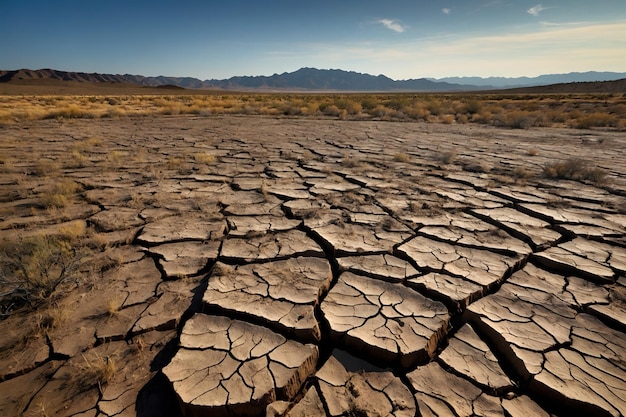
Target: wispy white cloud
{"x": 535, "y": 10}
{"x": 564, "y": 24}
{"x": 393, "y": 25}
{"x": 446, "y": 10}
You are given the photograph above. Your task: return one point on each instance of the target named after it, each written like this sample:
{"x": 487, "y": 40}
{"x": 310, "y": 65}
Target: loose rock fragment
{"x": 388, "y": 322}
{"x": 228, "y": 367}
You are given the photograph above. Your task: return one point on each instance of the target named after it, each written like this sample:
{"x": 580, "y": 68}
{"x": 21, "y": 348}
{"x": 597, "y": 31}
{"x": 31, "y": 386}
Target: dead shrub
{"x": 574, "y": 169}
{"x": 447, "y": 119}
{"x": 32, "y": 269}
{"x": 447, "y": 157}
{"x": 595, "y": 120}
{"x": 515, "y": 119}
{"x": 472, "y": 107}
{"x": 521, "y": 173}
{"x": 476, "y": 167}
{"x": 332, "y": 110}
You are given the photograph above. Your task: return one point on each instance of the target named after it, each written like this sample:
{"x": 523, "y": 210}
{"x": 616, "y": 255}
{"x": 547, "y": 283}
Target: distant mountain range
{"x": 503, "y": 82}
{"x": 310, "y": 79}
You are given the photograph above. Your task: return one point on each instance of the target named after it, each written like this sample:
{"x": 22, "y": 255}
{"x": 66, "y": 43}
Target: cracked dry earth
{"x": 325, "y": 268}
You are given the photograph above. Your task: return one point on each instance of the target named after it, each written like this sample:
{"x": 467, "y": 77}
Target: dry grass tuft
{"x": 77, "y": 159}
{"x": 61, "y": 194}
{"x": 73, "y": 230}
{"x": 99, "y": 371}
{"x": 46, "y": 167}
{"x": 220, "y": 270}
{"x": 401, "y": 157}
{"x": 114, "y": 305}
{"x": 204, "y": 158}
{"x": 52, "y": 318}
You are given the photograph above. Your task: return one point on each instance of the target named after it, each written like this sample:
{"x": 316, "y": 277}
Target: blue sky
{"x": 399, "y": 38}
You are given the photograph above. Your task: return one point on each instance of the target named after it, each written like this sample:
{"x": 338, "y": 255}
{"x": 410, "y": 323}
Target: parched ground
{"x": 235, "y": 265}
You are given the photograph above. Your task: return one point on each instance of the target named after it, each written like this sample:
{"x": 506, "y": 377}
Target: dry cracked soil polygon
{"x": 306, "y": 269}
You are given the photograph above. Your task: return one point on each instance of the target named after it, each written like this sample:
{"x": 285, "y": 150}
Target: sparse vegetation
{"x": 52, "y": 318}
{"x": 60, "y": 194}
{"x": 521, "y": 173}
{"x": 32, "y": 269}
{"x": 350, "y": 161}
{"x": 204, "y": 158}
{"x": 505, "y": 110}
{"x": 97, "y": 371}
{"x": 447, "y": 157}
{"x": 575, "y": 169}
{"x": 114, "y": 305}
{"x": 401, "y": 157}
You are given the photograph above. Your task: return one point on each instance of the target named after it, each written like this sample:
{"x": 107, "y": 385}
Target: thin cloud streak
{"x": 535, "y": 10}
{"x": 392, "y": 25}
{"x": 445, "y": 10}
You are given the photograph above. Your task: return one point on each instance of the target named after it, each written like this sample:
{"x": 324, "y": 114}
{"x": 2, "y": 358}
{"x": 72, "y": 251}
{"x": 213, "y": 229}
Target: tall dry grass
{"x": 513, "y": 111}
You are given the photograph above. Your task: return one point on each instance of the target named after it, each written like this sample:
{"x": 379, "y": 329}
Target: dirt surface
{"x": 295, "y": 267}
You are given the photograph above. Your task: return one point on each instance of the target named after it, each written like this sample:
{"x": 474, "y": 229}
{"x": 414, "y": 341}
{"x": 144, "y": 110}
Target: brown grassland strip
{"x": 522, "y": 111}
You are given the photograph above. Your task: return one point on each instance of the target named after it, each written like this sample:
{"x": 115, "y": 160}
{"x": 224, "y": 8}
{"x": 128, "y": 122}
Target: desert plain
{"x": 226, "y": 265}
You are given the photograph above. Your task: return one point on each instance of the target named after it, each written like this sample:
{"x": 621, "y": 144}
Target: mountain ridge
{"x": 545, "y": 79}
{"x": 308, "y": 79}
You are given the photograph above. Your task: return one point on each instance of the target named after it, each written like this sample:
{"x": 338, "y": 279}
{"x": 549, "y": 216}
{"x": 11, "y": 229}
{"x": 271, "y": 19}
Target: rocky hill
{"x": 305, "y": 79}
